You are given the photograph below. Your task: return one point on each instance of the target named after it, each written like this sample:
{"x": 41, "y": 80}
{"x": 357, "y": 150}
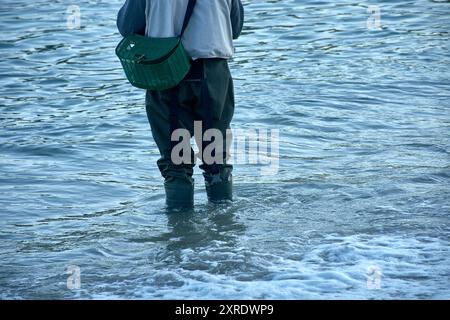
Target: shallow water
{"x": 363, "y": 182}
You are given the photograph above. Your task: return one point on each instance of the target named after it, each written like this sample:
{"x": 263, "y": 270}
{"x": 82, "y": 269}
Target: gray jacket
{"x": 210, "y": 33}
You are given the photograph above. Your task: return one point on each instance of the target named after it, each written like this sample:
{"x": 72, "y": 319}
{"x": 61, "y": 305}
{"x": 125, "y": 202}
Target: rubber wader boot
{"x": 179, "y": 193}
{"x": 219, "y": 187}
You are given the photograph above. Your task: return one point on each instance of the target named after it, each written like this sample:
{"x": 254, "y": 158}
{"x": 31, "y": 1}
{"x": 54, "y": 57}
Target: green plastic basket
{"x": 153, "y": 63}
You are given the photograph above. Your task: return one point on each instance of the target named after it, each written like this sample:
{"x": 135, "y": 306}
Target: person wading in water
{"x": 206, "y": 94}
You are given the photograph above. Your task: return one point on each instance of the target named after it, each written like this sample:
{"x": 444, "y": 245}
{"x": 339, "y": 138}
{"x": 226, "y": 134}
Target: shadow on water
{"x": 197, "y": 228}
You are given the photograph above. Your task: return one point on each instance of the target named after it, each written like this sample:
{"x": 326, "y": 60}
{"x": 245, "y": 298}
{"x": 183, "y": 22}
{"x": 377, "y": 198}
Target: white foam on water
{"x": 335, "y": 269}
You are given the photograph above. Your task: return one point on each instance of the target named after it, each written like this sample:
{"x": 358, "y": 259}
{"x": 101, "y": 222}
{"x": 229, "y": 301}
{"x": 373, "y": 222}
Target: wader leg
{"x": 217, "y": 105}
{"x": 165, "y": 115}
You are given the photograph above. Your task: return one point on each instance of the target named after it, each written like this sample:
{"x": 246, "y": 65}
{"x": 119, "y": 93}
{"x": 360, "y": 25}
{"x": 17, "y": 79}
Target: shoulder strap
{"x": 187, "y": 17}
